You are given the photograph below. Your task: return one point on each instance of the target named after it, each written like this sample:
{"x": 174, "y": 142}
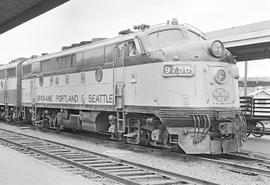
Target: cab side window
{"x": 132, "y": 50}
{"x": 11, "y": 72}
{"x": 120, "y": 53}
{"x": 109, "y": 53}
{"x": 27, "y": 69}
{"x": 2, "y": 74}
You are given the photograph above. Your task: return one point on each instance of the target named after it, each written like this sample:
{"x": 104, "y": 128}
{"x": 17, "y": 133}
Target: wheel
{"x": 46, "y": 123}
{"x": 258, "y": 130}
{"x": 145, "y": 137}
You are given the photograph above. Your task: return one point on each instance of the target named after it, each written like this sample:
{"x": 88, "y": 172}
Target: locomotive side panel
{"x": 2, "y": 91}
{"x": 146, "y": 86}
{"x": 26, "y": 93}
{"x": 99, "y": 89}
{"x": 75, "y": 90}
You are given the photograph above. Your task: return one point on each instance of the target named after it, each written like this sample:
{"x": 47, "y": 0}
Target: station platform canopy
{"x": 16, "y": 12}
{"x": 247, "y": 42}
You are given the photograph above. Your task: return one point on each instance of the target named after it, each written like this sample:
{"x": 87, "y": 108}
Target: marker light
{"x": 174, "y": 21}
{"x": 220, "y": 76}
{"x": 176, "y": 58}
{"x": 217, "y": 49}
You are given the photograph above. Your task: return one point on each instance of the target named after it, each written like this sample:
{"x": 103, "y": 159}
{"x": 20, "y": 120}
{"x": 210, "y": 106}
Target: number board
{"x": 178, "y": 70}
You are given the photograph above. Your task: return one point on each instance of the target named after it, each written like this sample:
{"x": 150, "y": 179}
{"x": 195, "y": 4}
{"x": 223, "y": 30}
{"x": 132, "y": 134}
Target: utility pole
{"x": 245, "y": 79}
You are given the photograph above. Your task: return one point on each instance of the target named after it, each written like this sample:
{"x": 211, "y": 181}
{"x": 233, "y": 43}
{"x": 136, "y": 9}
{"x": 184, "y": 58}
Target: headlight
{"x": 220, "y": 76}
{"x": 217, "y": 49}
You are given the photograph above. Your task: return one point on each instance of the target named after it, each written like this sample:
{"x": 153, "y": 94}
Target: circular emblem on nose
{"x": 221, "y": 95}
{"x": 99, "y": 74}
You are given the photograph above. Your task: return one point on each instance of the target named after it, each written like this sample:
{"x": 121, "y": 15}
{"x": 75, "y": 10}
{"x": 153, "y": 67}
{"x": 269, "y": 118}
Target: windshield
{"x": 194, "y": 36}
{"x": 165, "y": 37}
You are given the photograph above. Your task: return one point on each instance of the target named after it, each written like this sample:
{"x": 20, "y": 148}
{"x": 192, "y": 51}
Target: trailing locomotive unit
{"x": 10, "y": 89}
{"x": 164, "y": 86}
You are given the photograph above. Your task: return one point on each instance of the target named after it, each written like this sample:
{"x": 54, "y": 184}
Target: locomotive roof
{"x": 109, "y": 41}
{"x": 10, "y": 65}
{"x": 104, "y": 42}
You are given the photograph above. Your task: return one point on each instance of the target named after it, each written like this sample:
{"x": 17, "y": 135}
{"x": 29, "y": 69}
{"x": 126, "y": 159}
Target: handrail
{"x": 255, "y": 107}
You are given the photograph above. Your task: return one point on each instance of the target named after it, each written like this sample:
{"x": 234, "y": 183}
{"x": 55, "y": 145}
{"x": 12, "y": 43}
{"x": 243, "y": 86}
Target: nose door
{"x": 221, "y": 85}
{"x": 33, "y": 96}
{"x": 32, "y": 90}
{"x": 6, "y": 96}
{"x": 120, "y": 53}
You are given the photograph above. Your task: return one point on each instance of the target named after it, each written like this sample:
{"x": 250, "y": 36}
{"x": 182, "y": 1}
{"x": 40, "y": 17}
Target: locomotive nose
{"x": 213, "y": 51}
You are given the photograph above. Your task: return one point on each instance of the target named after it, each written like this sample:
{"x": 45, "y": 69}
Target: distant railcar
{"x": 10, "y": 89}
{"x": 164, "y": 85}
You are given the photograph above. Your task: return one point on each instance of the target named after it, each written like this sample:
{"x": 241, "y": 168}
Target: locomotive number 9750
{"x": 177, "y": 70}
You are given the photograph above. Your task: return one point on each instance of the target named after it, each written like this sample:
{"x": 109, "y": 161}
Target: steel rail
{"x": 241, "y": 168}
{"x": 245, "y": 168}
{"x": 235, "y": 166}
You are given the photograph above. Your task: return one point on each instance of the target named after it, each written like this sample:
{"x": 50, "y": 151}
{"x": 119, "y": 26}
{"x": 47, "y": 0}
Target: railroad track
{"x": 80, "y": 160}
{"x": 237, "y": 162}
{"x": 240, "y": 163}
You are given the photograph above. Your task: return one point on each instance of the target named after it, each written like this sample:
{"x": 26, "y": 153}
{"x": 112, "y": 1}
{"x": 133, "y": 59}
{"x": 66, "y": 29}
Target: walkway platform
{"x": 19, "y": 169}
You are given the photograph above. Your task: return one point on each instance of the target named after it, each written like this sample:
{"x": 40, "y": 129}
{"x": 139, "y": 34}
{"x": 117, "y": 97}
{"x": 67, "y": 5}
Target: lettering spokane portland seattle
{"x": 92, "y": 98}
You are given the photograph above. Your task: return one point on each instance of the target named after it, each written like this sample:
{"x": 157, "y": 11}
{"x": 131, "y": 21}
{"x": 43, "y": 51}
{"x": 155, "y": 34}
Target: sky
{"x": 82, "y": 20}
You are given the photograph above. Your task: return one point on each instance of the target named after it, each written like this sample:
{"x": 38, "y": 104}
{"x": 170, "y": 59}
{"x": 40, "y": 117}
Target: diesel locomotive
{"x": 163, "y": 85}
